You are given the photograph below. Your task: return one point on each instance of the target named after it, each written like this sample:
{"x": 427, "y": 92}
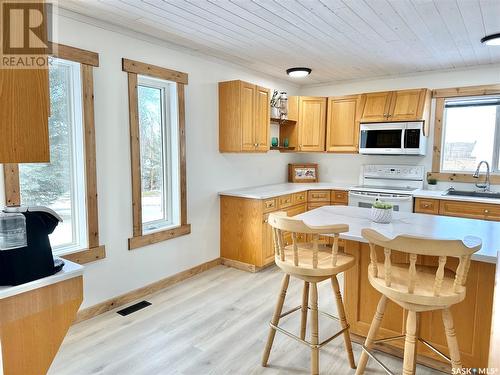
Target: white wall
{"x": 208, "y": 171}
{"x": 346, "y": 167}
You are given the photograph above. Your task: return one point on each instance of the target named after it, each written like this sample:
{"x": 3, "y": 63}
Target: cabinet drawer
{"x": 285, "y": 201}
{"x": 318, "y": 196}
{"x": 313, "y": 205}
{"x": 340, "y": 197}
{"x": 470, "y": 210}
{"x": 269, "y": 205}
{"x": 296, "y": 210}
{"x": 299, "y": 198}
{"x": 427, "y": 206}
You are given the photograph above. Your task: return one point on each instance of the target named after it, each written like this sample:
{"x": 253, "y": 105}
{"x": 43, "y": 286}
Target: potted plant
{"x": 381, "y": 212}
{"x": 432, "y": 183}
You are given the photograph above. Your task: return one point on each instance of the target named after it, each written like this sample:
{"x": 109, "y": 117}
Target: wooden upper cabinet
{"x": 243, "y": 117}
{"x": 408, "y": 105}
{"x": 25, "y": 107}
{"x": 342, "y": 124}
{"x": 376, "y": 106}
{"x": 403, "y": 105}
{"x": 312, "y": 123}
{"x": 262, "y": 117}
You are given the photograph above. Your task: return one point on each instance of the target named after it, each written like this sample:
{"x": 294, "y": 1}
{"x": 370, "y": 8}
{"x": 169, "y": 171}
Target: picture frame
{"x": 305, "y": 173}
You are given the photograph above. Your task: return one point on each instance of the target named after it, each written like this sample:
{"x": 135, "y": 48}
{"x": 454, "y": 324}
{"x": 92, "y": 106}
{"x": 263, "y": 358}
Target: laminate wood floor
{"x": 213, "y": 323}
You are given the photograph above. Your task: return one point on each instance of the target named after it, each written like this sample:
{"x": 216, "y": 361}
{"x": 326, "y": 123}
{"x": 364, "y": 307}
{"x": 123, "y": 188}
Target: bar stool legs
{"x": 372, "y": 334}
{"x": 451, "y": 338}
{"x": 343, "y": 320}
{"x": 305, "y": 304}
{"x": 314, "y": 330}
{"x": 410, "y": 354}
{"x": 276, "y": 318}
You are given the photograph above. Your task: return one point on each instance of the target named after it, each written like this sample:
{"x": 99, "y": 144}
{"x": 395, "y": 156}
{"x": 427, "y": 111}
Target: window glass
{"x": 471, "y": 132}
{"x": 59, "y": 184}
{"x": 158, "y": 143}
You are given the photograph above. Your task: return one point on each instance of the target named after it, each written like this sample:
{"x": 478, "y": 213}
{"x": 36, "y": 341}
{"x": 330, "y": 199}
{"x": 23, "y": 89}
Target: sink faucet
{"x": 486, "y": 185}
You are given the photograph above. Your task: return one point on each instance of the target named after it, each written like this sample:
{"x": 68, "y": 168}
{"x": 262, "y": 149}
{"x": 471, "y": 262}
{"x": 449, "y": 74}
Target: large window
{"x": 157, "y": 106}
{"x": 60, "y": 184}
{"x": 471, "y": 133}
{"x": 157, "y": 153}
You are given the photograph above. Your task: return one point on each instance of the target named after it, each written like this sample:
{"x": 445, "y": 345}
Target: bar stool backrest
{"x": 414, "y": 246}
{"x": 282, "y": 224}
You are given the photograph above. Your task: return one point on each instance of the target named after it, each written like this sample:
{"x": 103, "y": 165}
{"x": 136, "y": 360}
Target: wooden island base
{"x": 472, "y": 317}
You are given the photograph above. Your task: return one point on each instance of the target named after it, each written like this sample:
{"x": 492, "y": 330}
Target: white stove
{"x": 392, "y": 184}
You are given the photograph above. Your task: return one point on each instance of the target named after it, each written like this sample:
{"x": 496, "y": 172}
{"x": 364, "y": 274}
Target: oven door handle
{"x": 409, "y": 197}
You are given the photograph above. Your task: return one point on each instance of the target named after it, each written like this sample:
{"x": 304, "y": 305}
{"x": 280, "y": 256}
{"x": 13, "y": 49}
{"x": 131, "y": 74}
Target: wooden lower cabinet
{"x": 246, "y": 237}
{"x": 427, "y": 206}
{"x": 472, "y": 317}
{"x": 471, "y": 210}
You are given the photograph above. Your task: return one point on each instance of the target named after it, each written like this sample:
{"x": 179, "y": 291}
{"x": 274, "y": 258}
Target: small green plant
{"x": 382, "y": 205}
{"x": 432, "y": 181}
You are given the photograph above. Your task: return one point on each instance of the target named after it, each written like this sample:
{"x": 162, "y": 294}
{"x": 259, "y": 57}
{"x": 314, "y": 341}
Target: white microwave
{"x": 392, "y": 138}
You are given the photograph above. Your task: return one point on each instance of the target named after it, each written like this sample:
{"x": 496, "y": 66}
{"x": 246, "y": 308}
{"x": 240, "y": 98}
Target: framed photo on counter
{"x": 303, "y": 173}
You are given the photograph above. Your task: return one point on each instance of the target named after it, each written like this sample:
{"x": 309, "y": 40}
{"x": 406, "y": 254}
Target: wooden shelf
{"x": 281, "y": 148}
{"x": 283, "y": 121}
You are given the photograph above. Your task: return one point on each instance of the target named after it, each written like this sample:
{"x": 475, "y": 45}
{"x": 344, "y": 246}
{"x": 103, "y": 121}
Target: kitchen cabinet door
{"x": 262, "y": 116}
{"x": 24, "y": 105}
{"x": 376, "y": 107}
{"x": 312, "y": 123}
{"x": 342, "y": 128}
{"x": 407, "y": 105}
{"x": 247, "y": 111}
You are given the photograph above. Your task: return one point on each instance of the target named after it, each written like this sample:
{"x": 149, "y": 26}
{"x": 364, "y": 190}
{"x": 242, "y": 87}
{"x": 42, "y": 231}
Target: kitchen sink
{"x": 477, "y": 194}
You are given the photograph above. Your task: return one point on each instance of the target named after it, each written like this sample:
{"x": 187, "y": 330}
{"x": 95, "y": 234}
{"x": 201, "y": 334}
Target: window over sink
{"x": 470, "y": 134}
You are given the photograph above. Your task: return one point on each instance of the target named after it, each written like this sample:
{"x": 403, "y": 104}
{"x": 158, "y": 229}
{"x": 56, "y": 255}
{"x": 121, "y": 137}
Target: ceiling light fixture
{"x": 491, "y": 40}
{"x": 298, "y": 72}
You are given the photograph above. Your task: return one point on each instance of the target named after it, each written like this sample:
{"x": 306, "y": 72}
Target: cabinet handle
{"x": 389, "y": 115}
{"x": 486, "y": 211}
{"x": 426, "y": 205}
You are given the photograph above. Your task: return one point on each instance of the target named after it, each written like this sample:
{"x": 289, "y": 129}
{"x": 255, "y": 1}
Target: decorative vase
{"x": 285, "y": 142}
{"x": 275, "y": 112}
{"x": 274, "y": 141}
{"x": 431, "y": 187}
{"x": 381, "y": 215}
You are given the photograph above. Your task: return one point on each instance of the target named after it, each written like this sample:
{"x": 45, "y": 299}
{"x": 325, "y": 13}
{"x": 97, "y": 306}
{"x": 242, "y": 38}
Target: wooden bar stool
{"x": 417, "y": 288}
{"x": 312, "y": 263}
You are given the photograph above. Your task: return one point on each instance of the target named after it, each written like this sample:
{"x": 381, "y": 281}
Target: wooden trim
{"x": 11, "y": 185}
{"x": 131, "y": 66}
{"x": 152, "y": 238}
{"x": 133, "y": 295}
{"x": 78, "y": 55}
{"x": 460, "y": 177}
{"x": 135, "y": 154}
{"x": 87, "y": 256}
{"x": 182, "y": 152}
{"x": 438, "y": 129}
{"x": 466, "y": 91}
{"x": 90, "y": 155}
{"x": 239, "y": 265}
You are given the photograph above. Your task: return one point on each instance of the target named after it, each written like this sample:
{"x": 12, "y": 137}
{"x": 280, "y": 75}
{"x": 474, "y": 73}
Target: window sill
{"x": 155, "y": 237}
{"x": 87, "y": 255}
{"x": 461, "y": 177}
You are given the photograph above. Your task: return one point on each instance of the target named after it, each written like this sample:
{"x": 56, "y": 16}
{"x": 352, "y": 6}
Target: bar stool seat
{"x": 323, "y": 271}
{"x": 424, "y": 286}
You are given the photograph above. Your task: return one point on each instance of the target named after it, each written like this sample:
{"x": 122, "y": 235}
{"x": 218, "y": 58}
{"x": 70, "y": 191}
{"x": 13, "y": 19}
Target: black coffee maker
{"x": 25, "y": 251}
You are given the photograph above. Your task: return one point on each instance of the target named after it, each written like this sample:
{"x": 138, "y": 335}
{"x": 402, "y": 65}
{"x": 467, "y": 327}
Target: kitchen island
{"x": 472, "y": 317}
{"x": 34, "y": 319}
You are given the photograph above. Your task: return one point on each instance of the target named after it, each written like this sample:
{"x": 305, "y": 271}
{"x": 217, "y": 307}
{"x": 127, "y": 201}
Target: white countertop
{"x": 269, "y": 191}
{"x": 69, "y": 271}
{"x": 430, "y": 226}
{"x": 440, "y": 194}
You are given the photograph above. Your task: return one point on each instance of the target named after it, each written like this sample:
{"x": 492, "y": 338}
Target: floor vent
{"x": 136, "y": 307}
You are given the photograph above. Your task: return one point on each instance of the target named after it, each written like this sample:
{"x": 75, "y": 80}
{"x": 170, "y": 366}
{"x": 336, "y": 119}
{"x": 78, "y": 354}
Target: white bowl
{"x": 381, "y": 215}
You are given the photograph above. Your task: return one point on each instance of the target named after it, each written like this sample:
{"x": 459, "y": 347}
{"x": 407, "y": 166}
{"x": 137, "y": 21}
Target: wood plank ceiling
{"x": 339, "y": 39}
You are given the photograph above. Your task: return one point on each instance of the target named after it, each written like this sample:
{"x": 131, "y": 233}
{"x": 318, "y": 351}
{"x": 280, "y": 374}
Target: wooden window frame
{"x": 88, "y": 60}
{"x": 133, "y": 69}
{"x": 441, "y": 95}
